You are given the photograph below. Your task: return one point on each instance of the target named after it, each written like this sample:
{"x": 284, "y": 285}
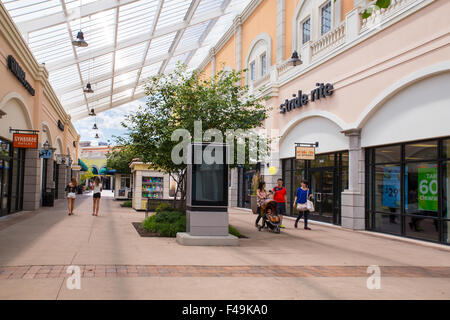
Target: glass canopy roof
{"x": 129, "y": 40}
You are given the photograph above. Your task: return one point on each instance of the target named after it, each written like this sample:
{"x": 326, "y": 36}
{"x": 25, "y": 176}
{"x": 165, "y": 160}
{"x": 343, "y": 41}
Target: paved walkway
{"x": 115, "y": 263}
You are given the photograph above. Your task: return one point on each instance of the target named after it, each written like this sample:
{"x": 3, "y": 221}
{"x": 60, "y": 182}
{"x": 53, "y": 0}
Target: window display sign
{"x": 305, "y": 153}
{"x": 391, "y": 187}
{"x": 428, "y": 189}
{"x": 46, "y": 154}
{"x": 25, "y": 140}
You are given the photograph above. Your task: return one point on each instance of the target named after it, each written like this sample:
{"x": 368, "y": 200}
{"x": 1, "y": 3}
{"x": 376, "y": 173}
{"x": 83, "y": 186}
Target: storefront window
{"x": 421, "y": 193}
{"x": 447, "y": 232}
{"x": 446, "y": 191}
{"x": 446, "y": 147}
{"x": 387, "y": 188}
{"x": 388, "y": 154}
{"x": 407, "y": 189}
{"x": 421, "y": 151}
{"x": 418, "y": 227}
{"x": 388, "y": 223}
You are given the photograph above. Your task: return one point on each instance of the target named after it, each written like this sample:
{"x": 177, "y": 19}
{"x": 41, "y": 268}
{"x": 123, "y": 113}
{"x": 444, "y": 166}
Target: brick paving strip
{"x": 120, "y": 271}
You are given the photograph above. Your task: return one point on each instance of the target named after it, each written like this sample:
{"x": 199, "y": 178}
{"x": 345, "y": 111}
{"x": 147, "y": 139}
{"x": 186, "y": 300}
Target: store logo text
{"x": 302, "y": 99}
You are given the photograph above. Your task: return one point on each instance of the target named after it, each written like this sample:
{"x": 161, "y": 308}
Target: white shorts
{"x": 71, "y": 195}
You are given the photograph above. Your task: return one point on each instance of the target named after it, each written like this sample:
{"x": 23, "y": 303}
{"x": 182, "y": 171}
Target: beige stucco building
{"x": 28, "y": 104}
{"x": 382, "y": 161}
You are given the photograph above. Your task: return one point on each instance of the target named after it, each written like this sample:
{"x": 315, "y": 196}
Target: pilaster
{"x": 32, "y": 180}
{"x": 353, "y": 205}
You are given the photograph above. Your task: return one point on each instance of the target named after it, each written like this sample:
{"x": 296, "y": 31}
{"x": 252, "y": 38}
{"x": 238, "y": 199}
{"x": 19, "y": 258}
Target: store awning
{"x": 113, "y": 171}
{"x": 83, "y": 166}
{"x": 94, "y": 170}
{"x": 103, "y": 171}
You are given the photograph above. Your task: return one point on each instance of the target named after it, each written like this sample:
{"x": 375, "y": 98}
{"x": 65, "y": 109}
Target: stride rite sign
{"x": 25, "y": 140}
{"x": 302, "y": 99}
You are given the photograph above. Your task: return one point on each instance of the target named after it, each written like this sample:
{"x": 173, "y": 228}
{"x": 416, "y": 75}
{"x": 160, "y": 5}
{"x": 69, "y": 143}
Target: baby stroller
{"x": 270, "y": 219}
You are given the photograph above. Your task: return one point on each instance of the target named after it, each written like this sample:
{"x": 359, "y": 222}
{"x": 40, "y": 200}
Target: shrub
{"x": 235, "y": 232}
{"x": 166, "y": 223}
{"x": 164, "y": 207}
{"x": 127, "y": 204}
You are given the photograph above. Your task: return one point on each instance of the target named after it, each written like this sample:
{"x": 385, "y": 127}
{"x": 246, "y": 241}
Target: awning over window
{"x": 83, "y": 166}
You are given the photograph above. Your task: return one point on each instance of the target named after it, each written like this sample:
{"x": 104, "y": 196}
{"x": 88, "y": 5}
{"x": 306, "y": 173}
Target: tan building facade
{"x": 28, "y": 104}
{"x": 374, "y": 93}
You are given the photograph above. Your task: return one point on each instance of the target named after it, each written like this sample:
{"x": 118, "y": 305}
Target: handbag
{"x": 302, "y": 206}
{"x": 310, "y": 206}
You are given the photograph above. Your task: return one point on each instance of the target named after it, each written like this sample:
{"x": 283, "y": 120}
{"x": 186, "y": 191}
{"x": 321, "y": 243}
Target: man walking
{"x": 280, "y": 196}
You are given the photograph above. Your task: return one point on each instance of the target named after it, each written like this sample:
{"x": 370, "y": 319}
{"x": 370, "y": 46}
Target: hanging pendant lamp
{"x": 95, "y": 127}
{"x": 96, "y": 136}
{"x": 92, "y": 113}
{"x": 79, "y": 41}
{"x": 88, "y": 88}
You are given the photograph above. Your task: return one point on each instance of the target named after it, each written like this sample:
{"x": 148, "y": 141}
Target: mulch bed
{"x": 144, "y": 233}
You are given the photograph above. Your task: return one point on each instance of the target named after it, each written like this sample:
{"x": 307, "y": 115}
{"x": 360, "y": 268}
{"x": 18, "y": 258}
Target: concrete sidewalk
{"x": 116, "y": 263}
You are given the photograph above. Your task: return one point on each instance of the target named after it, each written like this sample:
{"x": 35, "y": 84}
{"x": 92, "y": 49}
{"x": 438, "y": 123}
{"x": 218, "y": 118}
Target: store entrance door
{"x": 323, "y": 196}
{"x": 4, "y": 187}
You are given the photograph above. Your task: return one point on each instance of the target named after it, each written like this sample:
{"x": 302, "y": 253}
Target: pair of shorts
{"x": 97, "y": 195}
{"x": 71, "y": 195}
{"x": 281, "y": 208}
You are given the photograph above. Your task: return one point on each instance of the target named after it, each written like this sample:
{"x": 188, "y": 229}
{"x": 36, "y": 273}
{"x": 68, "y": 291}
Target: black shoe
{"x": 307, "y": 228}
{"x": 295, "y": 225}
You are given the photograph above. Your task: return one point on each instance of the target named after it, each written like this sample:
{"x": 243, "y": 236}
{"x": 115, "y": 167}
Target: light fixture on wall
{"x": 294, "y": 60}
{"x": 2, "y": 113}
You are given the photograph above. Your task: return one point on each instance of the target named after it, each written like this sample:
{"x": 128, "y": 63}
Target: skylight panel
{"x": 173, "y": 11}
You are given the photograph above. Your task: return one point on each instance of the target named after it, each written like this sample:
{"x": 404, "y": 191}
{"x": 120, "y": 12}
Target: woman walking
{"x": 97, "y": 187}
{"x": 300, "y": 202}
{"x": 71, "y": 190}
{"x": 261, "y": 197}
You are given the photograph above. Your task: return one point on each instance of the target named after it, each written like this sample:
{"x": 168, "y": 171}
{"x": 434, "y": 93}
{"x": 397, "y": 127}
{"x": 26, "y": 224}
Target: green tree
{"x": 120, "y": 158}
{"x": 176, "y": 101}
{"x": 380, "y": 4}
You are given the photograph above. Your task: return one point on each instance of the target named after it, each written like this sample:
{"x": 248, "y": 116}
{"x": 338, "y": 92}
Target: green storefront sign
{"x": 428, "y": 189}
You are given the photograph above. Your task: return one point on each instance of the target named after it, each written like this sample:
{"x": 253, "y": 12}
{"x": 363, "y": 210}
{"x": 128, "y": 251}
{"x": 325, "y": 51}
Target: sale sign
{"x": 25, "y": 140}
{"x": 428, "y": 189}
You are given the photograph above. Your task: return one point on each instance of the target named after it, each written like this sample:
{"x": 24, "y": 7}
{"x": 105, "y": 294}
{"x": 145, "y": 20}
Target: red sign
{"x": 25, "y": 140}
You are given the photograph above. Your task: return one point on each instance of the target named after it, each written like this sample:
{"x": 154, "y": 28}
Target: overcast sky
{"x": 108, "y": 123}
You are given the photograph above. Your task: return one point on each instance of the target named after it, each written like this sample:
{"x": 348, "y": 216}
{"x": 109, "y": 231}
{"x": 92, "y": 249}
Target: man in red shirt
{"x": 280, "y": 196}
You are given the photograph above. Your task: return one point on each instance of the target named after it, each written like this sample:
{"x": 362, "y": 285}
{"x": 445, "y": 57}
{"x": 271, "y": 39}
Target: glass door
{"x": 4, "y": 189}
{"x": 323, "y": 196}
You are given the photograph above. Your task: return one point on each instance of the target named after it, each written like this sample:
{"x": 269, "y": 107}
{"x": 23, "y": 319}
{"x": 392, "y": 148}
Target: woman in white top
{"x": 97, "y": 187}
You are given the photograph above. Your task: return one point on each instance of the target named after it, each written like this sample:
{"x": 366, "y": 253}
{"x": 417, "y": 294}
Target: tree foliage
{"x": 380, "y": 4}
{"x": 176, "y": 101}
{"x": 120, "y": 159}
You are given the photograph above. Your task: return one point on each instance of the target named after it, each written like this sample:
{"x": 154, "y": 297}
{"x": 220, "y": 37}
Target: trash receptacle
{"x": 49, "y": 198}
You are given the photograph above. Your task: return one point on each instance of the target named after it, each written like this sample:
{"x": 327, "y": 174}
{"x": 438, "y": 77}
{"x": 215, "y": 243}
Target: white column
{"x": 32, "y": 180}
{"x": 238, "y": 24}
{"x": 281, "y": 33}
{"x": 353, "y": 207}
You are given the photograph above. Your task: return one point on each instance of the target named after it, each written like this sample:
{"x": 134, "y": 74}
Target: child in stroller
{"x": 270, "y": 219}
